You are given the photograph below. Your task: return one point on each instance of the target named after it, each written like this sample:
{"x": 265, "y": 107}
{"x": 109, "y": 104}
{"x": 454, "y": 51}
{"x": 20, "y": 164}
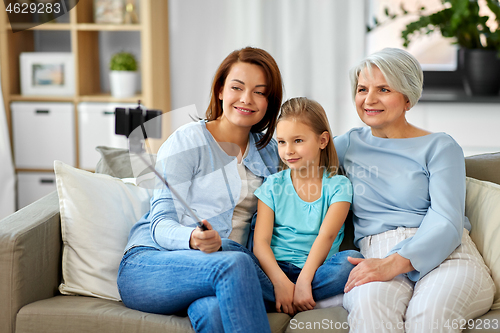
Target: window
{"x": 436, "y": 54}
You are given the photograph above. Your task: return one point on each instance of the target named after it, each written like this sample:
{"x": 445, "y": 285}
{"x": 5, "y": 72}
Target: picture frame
{"x": 109, "y": 11}
{"x": 47, "y": 73}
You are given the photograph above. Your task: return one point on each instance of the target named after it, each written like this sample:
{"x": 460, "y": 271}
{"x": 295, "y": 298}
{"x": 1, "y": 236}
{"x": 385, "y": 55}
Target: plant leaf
{"x": 494, "y": 6}
{"x": 405, "y": 12}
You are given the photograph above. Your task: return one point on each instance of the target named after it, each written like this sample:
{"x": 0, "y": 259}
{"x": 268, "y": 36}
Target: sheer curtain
{"x": 314, "y": 42}
{"x": 7, "y": 177}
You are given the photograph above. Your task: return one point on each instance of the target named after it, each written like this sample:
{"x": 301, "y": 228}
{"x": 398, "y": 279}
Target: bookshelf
{"x": 84, "y": 35}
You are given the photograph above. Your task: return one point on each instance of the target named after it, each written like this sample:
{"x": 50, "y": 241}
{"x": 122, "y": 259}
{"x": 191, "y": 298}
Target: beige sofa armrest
{"x": 30, "y": 251}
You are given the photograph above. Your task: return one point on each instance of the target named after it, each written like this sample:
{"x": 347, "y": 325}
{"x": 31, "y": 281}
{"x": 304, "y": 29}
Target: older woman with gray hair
{"x": 422, "y": 272}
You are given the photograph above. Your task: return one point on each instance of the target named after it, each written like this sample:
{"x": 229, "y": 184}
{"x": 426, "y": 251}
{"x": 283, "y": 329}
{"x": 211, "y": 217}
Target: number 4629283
{"x": 32, "y": 8}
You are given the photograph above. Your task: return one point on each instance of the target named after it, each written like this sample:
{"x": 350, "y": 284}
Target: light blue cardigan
{"x": 412, "y": 183}
{"x": 208, "y": 180}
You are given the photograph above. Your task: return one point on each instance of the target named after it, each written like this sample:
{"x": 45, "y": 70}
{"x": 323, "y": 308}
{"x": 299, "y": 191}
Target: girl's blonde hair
{"x": 313, "y": 115}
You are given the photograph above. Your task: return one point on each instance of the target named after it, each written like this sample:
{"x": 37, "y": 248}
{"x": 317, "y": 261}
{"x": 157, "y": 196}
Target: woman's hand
{"x": 370, "y": 270}
{"x": 283, "y": 292}
{"x": 302, "y": 297}
{"x": 207, "y": 241}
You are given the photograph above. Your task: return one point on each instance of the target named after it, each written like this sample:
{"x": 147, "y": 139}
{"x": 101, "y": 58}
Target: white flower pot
{"x": 123, "y": 83}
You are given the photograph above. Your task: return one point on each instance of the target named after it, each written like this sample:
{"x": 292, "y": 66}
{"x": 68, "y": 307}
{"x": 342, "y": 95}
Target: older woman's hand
{"x": 207, "y": 241}
{"x": 370, "y": 270}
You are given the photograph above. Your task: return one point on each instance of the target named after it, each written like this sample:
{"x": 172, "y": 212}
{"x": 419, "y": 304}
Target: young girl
{"x": 301, "y": 212}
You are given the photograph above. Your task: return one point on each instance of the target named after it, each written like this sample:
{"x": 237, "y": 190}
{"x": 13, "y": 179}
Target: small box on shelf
{"x": 32, "y": 186}
{"x": 43, "y": 132}
{"x": 96, "y": 127}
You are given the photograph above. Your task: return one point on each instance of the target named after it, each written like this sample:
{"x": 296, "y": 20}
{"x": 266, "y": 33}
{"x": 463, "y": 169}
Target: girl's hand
{"x": 302, "y": 298}
{"x": 370, "y": 270}
{"x": 207, "y": 241}
{"x": 283, "y": 292}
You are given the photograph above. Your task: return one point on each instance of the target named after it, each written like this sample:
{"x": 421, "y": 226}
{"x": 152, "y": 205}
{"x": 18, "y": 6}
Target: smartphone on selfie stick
{"x": 127, "y": 120}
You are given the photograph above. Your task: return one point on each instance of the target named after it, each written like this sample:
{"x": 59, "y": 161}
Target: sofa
{"x": 31, "y": 271}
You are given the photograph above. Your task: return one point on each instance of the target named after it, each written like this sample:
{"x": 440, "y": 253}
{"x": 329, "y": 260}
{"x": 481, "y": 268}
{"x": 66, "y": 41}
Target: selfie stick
{"x": 137, "y": 147}
{"x": 175, "y": 193}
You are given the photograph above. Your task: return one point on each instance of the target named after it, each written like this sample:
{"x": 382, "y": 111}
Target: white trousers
{"x": 458, "y": 290}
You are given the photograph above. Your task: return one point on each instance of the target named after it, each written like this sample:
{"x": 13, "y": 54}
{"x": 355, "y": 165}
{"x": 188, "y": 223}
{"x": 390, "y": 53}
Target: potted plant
{"x": 123, "y": 75}
{"x": 479, "y": 53}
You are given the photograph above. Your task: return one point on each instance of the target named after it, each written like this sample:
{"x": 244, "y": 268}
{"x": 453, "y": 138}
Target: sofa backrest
{"x": 484, "y": 167}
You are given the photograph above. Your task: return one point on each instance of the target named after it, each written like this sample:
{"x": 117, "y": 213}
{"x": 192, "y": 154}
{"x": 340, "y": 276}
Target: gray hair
{"x": 400, "y": 69}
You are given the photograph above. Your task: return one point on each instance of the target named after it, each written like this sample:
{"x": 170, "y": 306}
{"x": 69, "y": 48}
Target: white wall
{"x": 314, "y": 54}
{"x": 475, "y": 126}
{"x": 7, "y": 177}
{"x": 314, "y": 42}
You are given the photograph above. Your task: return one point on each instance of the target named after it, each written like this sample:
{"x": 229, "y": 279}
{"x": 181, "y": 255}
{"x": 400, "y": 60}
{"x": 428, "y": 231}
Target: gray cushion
{"x": 67, "y": 314}
{"x": 484, "y": 167}
{"x": 117, "y": 162}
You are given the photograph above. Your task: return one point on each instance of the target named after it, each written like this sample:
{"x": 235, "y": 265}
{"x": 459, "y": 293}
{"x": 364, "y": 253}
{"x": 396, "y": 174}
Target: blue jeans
{"x": 220, "y": 290}
{"x": 329, "y": 279}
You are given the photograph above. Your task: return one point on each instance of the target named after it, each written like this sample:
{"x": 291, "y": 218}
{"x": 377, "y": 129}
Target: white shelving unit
{"x": 70, "y": 129}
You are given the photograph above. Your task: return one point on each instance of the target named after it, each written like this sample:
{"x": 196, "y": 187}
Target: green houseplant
{"x": 479, "y": 54}
{"x": 123, "y": 75}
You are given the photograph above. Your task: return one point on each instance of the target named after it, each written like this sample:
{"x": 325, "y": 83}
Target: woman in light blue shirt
{"x": 422, "y": 272}
{"x": 169, "y": 264}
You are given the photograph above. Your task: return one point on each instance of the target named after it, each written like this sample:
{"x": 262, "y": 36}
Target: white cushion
{"x": 331, "y": 302}
{"x": 482, "y": 207}
{"x": 97, "y": 213}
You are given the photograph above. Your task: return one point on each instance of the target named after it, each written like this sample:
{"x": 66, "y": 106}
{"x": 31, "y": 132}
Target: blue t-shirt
{"x": 297, "y": 222}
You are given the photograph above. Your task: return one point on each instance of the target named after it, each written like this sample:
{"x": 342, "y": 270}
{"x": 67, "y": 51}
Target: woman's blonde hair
{"x": 313, "y": 115}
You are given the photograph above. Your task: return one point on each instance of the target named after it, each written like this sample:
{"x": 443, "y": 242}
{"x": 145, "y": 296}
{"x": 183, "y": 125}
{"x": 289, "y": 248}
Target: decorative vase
{"x": 480, "y": 71}
{"x": 123, "y": 83}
